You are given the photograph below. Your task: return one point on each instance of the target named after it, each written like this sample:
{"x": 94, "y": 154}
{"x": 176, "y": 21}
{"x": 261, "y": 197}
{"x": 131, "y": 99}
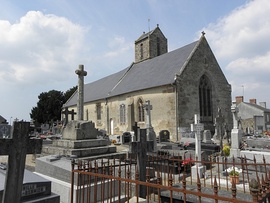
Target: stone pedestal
{"x": 236, "y": 137}
{"x": 80, "y": 140}
{"x": 197, "y": 169}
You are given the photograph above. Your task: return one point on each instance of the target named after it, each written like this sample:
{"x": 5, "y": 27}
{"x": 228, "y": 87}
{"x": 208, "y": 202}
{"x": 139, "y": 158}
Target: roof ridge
{"x": 121, "y": 78}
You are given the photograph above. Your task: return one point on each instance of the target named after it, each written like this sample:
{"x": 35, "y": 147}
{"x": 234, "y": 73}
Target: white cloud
{"x": 119, "y": 47}
{"x": 241, "y": 44}
{"x": 39, "y": 48}
{"x": 243, "y": 32}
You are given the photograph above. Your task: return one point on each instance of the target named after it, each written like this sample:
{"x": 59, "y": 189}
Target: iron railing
{"x": 169, "y": 179}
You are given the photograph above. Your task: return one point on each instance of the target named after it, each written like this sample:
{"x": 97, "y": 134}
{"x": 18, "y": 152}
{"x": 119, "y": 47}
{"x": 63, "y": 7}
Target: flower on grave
{"x": 186, "y": 143}
{"x": 233, "y": 170}
{"x": 187, "y": 161}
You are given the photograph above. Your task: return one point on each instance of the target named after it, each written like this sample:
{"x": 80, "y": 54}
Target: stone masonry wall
{"x": 202, "y": 62}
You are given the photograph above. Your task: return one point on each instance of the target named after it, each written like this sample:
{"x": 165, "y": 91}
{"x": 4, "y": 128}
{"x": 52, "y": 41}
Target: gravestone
{"x": 66, "y": 112}
{"x": 207, "y": 136}
{"x": 141, "y": 147}
{"x": 5, "y": 130}
{"x": 219, "y": 128}
{"x": 151, "y": 135}
{"x": 126, "y": 138}
{"x": 164, "y": 136}
{"x": 236, "y": 135}
{"x": 198, "y": 128}
{"x": 16, "y": 148}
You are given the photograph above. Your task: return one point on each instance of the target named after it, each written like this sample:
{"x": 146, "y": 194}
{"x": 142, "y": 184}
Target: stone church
{"x": 178, "y": 84}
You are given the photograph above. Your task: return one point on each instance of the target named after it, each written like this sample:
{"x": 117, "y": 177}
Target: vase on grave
{"x": 234, "y": 178}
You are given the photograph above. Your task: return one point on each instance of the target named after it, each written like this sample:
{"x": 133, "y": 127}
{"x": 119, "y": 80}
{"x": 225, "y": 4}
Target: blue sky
{"x": 43, "y": 42}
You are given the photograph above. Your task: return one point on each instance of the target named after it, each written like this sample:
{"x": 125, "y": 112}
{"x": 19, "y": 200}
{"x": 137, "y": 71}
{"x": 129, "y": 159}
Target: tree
{"x": 48, "y": 107}
{"x": 69, "y": 93}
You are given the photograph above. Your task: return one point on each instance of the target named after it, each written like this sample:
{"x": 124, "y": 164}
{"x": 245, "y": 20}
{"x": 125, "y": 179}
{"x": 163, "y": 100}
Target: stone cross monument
{"x": 198, "y": 128}
{"x": 236, "y": 134}
{"x": 151, "y": 135}
{"x": 81, "y": 73}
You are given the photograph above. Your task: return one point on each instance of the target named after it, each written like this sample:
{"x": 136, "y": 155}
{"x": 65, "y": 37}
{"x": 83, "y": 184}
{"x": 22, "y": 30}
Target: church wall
{"x": 163, "y": 114}
{"x": 202, "y": 62}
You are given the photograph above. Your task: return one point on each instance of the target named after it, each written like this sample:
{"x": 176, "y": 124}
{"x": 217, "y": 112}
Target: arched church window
{"x": 140, "y": 111}
{"x": 122, "y": 114}
{"x": 205, "y": 99}
{"x": 98, "y": 111}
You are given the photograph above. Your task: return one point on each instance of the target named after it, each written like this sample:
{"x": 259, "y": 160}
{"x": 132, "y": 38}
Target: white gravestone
{"x": 198, "y": 127}
{"x": 236, "y": 134}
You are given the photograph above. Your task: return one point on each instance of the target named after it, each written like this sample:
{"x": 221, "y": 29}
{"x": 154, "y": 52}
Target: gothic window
{"x": 98, "y": 110}
{"x": 205, "y": 99}
{"x": 141, "y": 51}
{"x": 158, "y": 46}
{"x": 122, "y": 114}
{"x": 140, "y": 111}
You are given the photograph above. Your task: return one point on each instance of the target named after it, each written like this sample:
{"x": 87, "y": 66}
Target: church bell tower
{"x": 150, "y": 45}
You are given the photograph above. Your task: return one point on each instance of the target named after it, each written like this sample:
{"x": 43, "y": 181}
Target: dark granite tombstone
{"x": 126, "y": 138}
{"x": 34, "y": 188}
{"x": 164, "y": 136}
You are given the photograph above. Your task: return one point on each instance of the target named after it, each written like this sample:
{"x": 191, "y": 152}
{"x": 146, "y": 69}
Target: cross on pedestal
{"x": 66, "y": 112}
{"x": 198, "y": 128}
{"x": 151, "y": 135}
{"x": 16, "y": 149}
{"x": 141, "y": 148}
{"x": 148, "y": 107}
{"x": 219, "y": 122}
{"x": 81, "y": 73}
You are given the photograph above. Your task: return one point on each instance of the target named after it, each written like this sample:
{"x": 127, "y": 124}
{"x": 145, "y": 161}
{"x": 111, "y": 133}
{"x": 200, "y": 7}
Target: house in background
{"x": 254, "y": 118}
{"x": 178, "y": 84}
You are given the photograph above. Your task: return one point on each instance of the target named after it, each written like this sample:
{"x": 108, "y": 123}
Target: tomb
{"x": 34, "y": 189}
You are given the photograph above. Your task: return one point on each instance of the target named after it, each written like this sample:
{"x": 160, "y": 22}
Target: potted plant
{"x": 234, "y": 176}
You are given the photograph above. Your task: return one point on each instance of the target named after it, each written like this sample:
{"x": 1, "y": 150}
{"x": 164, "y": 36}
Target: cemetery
{"x": 84, "y": 166}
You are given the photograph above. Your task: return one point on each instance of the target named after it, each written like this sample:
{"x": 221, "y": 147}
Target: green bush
{"x": 226, "y": 150}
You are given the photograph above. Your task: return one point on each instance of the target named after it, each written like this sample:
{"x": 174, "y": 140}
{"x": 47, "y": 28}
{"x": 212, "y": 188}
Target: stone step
{"x": 76, "y": 144}
{"x": 82, "y": 152}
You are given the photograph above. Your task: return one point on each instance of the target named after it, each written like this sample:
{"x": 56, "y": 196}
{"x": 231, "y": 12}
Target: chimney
{"x": 263, "y": 104}
{"x": 239, "y": 99}
{"x": 253, "y": 101}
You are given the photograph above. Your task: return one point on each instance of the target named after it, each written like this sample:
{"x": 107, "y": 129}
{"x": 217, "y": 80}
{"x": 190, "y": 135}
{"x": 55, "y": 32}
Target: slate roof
{"x": 2, "y": 119}
{"x": 256, "y": 106}
{"x": 150, "y": 73}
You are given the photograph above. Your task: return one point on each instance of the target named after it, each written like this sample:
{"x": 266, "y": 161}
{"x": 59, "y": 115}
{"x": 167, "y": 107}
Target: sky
{"x": 43, "y": 42}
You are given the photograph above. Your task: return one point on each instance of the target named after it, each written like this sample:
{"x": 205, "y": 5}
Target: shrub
{"x": 226, "y": 150}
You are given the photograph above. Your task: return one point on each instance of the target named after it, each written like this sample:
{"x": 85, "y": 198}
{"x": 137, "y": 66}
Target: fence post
{"x": 254, "y": 189}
